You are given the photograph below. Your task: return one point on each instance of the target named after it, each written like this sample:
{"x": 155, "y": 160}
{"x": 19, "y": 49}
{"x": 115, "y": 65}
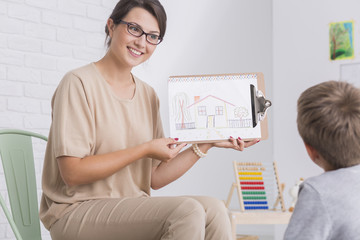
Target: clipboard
{"x": 211, "y": 108}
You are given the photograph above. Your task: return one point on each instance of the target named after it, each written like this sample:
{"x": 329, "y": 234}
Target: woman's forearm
{"x": 77, "y": 171}
{"x": 168, "y": 172}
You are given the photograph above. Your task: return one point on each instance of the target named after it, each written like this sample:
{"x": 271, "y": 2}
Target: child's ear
{"x": 317, "y": 158}
{"x": 313, "y": 154}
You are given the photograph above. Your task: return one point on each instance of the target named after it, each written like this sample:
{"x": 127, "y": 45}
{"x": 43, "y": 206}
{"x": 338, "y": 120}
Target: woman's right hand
{"x": 164, "y": 149}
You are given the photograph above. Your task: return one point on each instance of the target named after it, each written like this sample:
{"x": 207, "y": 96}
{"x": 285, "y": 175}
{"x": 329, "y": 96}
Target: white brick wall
{"x": 40, "y": 40}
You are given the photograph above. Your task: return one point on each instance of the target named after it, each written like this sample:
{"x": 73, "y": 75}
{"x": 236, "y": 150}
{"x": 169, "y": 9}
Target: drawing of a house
{"x": 214, "y": 112}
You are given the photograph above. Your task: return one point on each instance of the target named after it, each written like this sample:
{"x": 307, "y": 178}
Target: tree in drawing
{"x": 180, "y": 111}
{"x": 240, "y": 112}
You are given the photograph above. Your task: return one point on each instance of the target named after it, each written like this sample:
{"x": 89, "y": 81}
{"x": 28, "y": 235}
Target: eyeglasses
{"x": 137, "y": 31}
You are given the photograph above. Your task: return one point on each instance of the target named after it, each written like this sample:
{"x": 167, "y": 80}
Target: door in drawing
{"x": 211, "y": 121}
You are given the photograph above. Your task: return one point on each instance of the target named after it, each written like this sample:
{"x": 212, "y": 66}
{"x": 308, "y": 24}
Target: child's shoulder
{"x": 335, "y": 179}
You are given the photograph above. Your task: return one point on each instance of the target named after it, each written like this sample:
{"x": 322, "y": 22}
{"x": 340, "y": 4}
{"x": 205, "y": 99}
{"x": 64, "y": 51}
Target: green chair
{"x": 16, "y": 151}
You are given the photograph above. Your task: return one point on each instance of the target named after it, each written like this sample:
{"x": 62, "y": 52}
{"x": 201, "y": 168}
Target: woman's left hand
{"x": 236, "y": 143}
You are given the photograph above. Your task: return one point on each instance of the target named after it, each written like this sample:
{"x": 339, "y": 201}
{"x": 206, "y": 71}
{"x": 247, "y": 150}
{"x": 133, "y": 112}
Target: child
{"x": 329, "y": 123}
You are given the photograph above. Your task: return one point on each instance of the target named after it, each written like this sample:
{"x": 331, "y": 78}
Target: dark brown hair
{"x": 123, "y": 7}
{"x": 329, "y": 121}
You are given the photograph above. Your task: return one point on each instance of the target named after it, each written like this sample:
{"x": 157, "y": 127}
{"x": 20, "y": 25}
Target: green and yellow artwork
{"x": 341, "y": 40}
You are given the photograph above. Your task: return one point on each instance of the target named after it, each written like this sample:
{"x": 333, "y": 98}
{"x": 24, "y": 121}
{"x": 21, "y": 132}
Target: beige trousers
{"x": 147, "y": 218}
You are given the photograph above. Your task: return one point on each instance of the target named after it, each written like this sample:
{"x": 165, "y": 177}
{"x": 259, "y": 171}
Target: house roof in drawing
{"x": 210, "y": 96}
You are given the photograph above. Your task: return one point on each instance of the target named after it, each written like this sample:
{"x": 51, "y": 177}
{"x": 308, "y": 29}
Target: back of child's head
{"x": 329, "y": 121}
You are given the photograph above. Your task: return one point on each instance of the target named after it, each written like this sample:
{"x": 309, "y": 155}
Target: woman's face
{"x": 127, "y": 49}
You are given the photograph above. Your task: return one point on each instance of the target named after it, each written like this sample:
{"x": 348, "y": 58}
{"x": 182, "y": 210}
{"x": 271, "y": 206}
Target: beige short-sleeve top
{"x": 89, "y": 119}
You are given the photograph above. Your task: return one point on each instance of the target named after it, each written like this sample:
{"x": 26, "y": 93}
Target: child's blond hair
{"x": 329, "y": 121}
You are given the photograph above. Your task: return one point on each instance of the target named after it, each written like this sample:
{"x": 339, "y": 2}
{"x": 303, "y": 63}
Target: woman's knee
{"x": 186, "y": 221}
{"x": 215, "y": 209}
{"x": 191, "y": 209}
{"x": 211, "y": 205}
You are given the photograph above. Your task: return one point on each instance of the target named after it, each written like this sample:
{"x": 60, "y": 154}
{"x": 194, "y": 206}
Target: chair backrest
{"x": 16, "y": 150}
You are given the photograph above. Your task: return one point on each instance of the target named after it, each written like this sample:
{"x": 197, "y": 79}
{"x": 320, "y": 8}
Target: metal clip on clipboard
{"x": 259, "y": 105}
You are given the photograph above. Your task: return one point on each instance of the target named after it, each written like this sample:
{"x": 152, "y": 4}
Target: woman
{"x": 106, "y": 147}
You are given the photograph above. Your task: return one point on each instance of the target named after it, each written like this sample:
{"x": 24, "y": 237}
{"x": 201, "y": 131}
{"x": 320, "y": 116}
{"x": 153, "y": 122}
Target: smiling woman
{"x": 126, "y": 47}
{"x": 153, "y": 7}
{"x": 106, "y": 148}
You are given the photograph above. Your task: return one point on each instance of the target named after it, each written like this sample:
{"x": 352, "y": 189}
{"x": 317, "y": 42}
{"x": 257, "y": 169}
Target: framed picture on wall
{"x": 211, "y": 108}
{"x": 341, "y": 40}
